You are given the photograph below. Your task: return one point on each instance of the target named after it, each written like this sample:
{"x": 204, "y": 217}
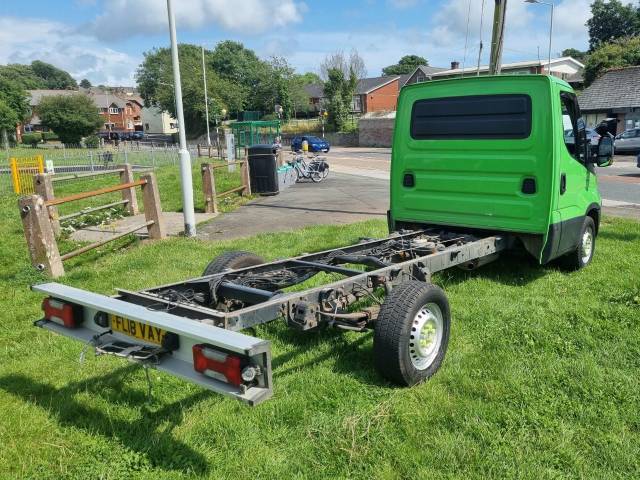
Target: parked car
{"x": 592, "y": 136}
{"x": 628, "y": 141}
{"x": 316, "y": 144}
{"x": 137, "y": 135}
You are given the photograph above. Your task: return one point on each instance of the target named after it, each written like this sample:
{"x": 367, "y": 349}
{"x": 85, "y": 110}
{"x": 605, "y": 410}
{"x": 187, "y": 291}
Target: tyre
{"x": 316, "y": 176}
{"x": 412, "y": 333}
{"x": 583, "y": 254}
{"x": 232, "y": 261}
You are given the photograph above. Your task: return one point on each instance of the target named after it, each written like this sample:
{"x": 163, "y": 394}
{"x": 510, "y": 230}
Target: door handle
{"x": 563, "y": 183}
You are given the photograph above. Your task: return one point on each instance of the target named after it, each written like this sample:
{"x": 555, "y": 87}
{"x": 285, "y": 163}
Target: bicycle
{"x": 316, "y": 170}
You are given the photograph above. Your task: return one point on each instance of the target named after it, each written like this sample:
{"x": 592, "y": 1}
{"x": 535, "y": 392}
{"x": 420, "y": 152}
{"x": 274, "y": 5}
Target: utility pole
{"x": 480, "y": 46}
{"x": 497, "y": 37}
{"x": 185, "y": 158}
{"x": 206, "y": 99}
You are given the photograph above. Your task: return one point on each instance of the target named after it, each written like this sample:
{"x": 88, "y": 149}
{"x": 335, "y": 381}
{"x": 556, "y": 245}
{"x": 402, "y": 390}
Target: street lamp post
{"x": 185, "y": 158}
{"x": 548, "y": 4}
{"x": 206, "y": 99}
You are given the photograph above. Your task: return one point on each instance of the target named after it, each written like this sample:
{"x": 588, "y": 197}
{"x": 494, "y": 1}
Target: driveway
{"x": 340, "y": 199}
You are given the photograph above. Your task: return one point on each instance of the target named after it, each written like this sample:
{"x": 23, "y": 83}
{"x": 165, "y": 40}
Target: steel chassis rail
{"x": 262, "y": 306}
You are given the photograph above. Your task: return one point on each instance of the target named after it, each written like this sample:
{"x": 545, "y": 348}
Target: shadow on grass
{"x": 149, "y": 435}
{"x": 512, "y": 268}
{"x": 350, "y": 357}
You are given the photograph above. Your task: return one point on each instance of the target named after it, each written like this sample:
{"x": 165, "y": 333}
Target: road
{"x": 619, "y": 184}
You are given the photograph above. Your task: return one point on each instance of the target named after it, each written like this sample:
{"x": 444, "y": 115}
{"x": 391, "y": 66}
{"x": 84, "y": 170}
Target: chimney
{"x": 455, "y": 65}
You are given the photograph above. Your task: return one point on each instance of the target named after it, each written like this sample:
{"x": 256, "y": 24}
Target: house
{"x": 373, "y": 94}
{"x": 567, "y": 68}
{"x": 120, "y": 113}
{"x": 424, "y": 72}
{"x": 157, "y": 121}
{"x": 34, "y": 123}
{"x": 616, "y": 94}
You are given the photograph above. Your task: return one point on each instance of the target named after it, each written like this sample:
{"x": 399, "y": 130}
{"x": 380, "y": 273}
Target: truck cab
{"x": 489, "y": 154}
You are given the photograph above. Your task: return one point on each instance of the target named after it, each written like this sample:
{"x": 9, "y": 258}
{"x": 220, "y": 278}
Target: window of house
{"x": 114, "y": 110}
{"x": 472, "y": 117}
{"x": 356, "y": 103}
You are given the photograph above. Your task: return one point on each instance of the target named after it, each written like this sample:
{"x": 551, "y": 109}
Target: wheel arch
{"x": 594, "y": 211}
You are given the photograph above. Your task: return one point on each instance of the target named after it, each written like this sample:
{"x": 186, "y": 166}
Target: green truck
{"x": 479, "y": 166}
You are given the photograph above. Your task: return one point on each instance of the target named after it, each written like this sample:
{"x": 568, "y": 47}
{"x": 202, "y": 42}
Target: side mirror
{"x": 605, "y": 152}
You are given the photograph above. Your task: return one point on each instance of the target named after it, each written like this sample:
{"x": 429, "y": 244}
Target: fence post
{"x": 126, "y": 176}
{"x": 152, "y": 207}
{"x": 14, "y": 175}
{"x": 244, "y": 174}
{"x": 41, "y": 241}
{"x": 209, "y": 188}
{"x": 44, "y": 188}
{"x": 199, "y": 154}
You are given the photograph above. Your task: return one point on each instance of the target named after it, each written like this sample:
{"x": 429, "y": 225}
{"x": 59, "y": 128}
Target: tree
{"x": 339, "y": 91}
{"x": 38, "y": 75}
{"x": 623, "y": 52}
{"x": 15, "y": 97}
{"x": 407, "y": 64}
{"x": 8, "y": 122}
{"x": 612, "y": 20}
{"x": 338, "y": 60}
{"x": 575, "y": 53}
{"x": 84, "y": 83}
{"x": 155, "y": 83}
{"x": 71, "y": 117}
{"x": 299, "y": 95}
{"x": 54, "y": 78}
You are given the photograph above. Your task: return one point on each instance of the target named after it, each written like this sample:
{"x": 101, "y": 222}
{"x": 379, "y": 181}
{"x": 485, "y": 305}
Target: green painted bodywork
{"x": 478, "y": 183}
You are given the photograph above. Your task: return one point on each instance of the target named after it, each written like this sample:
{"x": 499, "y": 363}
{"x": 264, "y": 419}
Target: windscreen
{"x": 472, "y": 117}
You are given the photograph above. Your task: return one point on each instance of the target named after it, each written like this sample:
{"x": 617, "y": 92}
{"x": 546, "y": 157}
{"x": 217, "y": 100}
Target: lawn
{"x": 540, "y": 381}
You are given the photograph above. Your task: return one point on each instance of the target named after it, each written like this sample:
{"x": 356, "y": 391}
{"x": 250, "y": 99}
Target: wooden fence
{"x": 209, "y": 185}
{"x": 42, "y": 224}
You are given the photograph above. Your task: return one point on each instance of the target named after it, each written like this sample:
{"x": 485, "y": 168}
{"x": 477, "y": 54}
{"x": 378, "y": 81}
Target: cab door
{"x": 577, "y": 186}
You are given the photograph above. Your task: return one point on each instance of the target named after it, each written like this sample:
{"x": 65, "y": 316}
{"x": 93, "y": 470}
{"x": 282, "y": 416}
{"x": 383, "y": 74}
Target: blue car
{"x": 316, "y": 144}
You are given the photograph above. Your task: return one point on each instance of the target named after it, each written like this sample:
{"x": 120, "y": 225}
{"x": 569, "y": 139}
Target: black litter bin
{"x": 263, "y": 169}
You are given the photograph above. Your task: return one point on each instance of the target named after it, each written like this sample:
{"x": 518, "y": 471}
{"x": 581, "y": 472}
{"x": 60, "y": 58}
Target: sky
{"x": 104, "y": 40}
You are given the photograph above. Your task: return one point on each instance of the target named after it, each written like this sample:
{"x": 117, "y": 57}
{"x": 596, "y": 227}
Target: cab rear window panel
{"x": 474, "y": 117}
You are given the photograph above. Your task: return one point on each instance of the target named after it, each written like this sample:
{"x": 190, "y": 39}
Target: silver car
{"x": 628, "y": 141}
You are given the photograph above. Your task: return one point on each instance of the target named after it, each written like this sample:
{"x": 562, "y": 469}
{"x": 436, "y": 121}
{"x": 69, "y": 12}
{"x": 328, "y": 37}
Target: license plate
{"x": 138, "y": 330}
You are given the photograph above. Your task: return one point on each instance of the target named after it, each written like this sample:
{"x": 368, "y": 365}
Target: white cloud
{"x": 123, "y": 19}
{"x": 23, "y": 40}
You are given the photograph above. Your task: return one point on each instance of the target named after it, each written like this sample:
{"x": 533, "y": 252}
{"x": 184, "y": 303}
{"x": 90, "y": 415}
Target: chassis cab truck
{"x": 489, "y": 153}
{"x": 479, "y": 165}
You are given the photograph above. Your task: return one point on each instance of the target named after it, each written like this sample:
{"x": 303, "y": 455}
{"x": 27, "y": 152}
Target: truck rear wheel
{"x": 583, "y": 254}
{"x": 232, "y": 261}
{"x": 412, "y": 333}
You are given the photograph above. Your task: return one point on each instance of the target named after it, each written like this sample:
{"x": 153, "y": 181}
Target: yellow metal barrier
{"x": 22, "y": 172}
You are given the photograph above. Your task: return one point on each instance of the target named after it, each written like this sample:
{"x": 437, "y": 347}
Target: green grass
{"x": 540, "y": 381}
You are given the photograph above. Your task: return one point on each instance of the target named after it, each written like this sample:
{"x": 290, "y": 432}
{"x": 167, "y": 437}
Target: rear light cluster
{"x": 66, "y": 314}
{"x": 222, "y": 366}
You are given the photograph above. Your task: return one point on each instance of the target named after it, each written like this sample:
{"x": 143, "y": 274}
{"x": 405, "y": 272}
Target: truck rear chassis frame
{"x": 215, "y": 307}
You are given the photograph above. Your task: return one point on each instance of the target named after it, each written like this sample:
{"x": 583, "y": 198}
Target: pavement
{"x": 340, "y": 199}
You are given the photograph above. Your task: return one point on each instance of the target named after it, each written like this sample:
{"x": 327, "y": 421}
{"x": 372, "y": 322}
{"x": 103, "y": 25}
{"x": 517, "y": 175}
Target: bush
{"x": 46, "y": 136}
{"x": 269, "y": 117}
{"x": 31, "y": 139}
{"x": 92, "y": 141}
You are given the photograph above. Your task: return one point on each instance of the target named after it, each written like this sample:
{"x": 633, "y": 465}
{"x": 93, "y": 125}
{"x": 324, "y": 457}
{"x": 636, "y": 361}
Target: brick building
{"x": 121, "y": 114}
{"x": 376, "y": 94}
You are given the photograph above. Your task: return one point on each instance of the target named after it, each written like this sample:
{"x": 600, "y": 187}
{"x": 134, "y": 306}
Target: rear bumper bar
{"x": 190, "y": 332}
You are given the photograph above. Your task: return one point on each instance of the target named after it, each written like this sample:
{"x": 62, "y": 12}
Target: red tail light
{"x": 65, "y": 314}
{"x": 218, "y": 365}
